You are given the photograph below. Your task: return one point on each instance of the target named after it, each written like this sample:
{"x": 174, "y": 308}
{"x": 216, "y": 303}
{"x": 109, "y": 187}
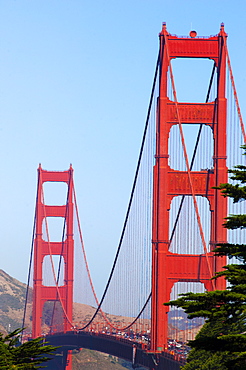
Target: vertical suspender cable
{"x": 235, "y": 92}
{"x": 131, "y": 196}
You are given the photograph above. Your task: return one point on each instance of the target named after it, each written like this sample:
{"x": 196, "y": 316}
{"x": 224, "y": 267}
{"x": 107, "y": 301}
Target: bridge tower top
{"x": 192, "y": 46}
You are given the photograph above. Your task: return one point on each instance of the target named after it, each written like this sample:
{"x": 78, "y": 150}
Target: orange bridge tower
{"x": 59, "y": 293}
{"x": 170, "y": 267}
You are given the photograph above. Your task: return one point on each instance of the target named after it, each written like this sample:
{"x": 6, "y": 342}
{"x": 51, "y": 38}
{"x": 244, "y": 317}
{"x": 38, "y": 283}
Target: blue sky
{"x": 75, "y": 81}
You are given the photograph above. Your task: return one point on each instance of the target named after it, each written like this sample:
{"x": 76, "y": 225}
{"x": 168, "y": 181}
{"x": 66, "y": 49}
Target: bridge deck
{"x": 119, "y": 347}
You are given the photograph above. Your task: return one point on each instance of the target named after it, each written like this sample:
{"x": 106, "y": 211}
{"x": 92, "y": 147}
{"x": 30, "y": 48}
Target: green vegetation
{"x": 221, "y": 343}
{"x": 28, "y": 355}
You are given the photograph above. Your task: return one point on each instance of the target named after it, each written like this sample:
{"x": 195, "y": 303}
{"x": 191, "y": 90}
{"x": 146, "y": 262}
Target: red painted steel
{"x": 169, "y": 268}
{"x": 42, "y": 248}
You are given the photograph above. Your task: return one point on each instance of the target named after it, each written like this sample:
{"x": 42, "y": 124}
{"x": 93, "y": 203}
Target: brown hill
{"x": 12, "y": 300}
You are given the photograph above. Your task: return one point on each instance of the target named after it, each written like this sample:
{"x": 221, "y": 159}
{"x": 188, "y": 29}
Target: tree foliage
{"x": 28, "y": 355}
{"x": 221, "y": 343}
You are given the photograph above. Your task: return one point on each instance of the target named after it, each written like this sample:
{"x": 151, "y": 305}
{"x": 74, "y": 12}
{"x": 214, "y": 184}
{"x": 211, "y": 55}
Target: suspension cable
{"x": 140, "y": 313}
{"x": 131, "y": 196}
{"x": 87, "y": 266}
{"x": 91, "y": 283}
{"x": 234, "y": 91}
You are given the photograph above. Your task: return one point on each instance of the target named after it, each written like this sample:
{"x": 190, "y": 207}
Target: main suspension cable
{"x": 131, "y": 196}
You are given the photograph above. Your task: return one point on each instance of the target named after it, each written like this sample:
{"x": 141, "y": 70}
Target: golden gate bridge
{"x": 173, "y": 221}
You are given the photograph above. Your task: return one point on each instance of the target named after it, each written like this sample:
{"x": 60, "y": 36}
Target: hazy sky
{"x": 75, "y": 81}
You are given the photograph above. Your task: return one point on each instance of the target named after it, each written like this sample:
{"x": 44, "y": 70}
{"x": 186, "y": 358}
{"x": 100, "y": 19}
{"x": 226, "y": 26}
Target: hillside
{"x": 12, "y": 300}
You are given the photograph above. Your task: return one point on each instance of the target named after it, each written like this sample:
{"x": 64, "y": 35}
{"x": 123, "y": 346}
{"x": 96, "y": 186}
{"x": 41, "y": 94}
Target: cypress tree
{"x": 28, "y": 355}
{"x": 221, "y": 343}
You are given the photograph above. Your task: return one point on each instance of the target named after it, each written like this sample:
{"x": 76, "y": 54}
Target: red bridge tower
{"x": 169, "y": 268}
{"x": 56, "y": 293}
